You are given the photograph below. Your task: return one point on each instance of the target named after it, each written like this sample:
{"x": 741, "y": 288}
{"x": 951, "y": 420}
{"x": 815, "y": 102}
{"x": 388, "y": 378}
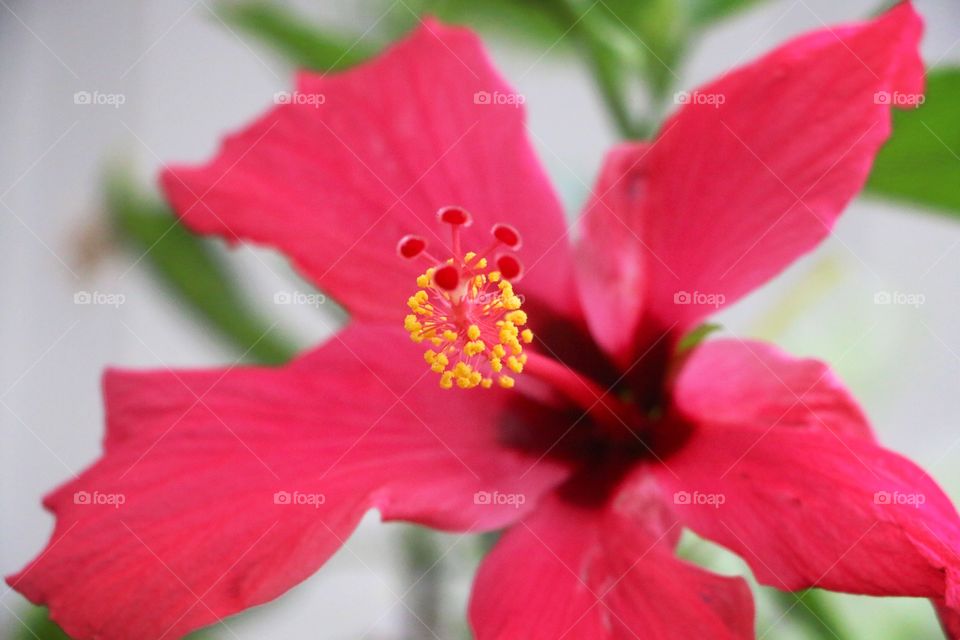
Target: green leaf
{"x": 696, "y": 336}
{"x": 304, "y": 44}
{"x": 707, "y": 11}
{"x": 657, "y": 32}
{"x": 812, "y": 610}
{"x": 37, "y": 625}
{"x": 532, "y": 22}
{"x": 921, "y": 161}
{"x": 191, "y": 268}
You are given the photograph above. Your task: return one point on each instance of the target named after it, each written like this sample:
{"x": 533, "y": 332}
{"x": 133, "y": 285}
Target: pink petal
{"x": 610, "y": 255}
{"x": 336, "y": 185}
{"x": 729, "y": 195}
{"x": 949, "y": 621}
{"x": 738, "y": 382}
{"x": 198, "y": 459}
{"x": 574, "y": 572}
{"x": 810, "y": 507}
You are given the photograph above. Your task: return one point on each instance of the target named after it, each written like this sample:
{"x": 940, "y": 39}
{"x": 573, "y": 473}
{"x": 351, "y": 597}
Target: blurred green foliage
{"x": 921, "y": 162}
{"x": 630, "y": 47}
{"x": 697, "y": 335}
{"x": 192, "y": 270}
{"x": 811, "y": 609}
{"x": 706, "y": 12}
{"x": 296, "y": 39}
{"x": 36, "y": 625}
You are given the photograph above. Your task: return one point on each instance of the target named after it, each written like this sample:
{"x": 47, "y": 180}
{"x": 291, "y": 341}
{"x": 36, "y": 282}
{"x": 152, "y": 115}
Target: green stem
{"x": 422, "y": 562}
{"x": 604, "y": 61}
{"x": 811, "y": 610}
{"x": 607, "y": 78}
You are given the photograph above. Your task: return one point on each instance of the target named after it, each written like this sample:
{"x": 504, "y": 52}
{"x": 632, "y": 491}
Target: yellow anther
{"x": 474, "y": 348}
{"x": 482, "y": 263}
{"x": 517, "y": 317}
{"x": 423, "y": 280}
{"x": 499, "y": 351}
{"x": 446, "y": 380}
{"x": 439, "y": 363}
{"x": 430, "y": 355}
{"x": 506, "y": 382}
{"x": 513, "y": 302}
{"x": 508, "y": 332}
{"x": 496, "y": 364}
{"x": 470, "y": 255}
{"x": 410, "y": 323}
{"x": 515, "y": 365}
{"x": 473, "y": 332}
{"x": 450, "y": 336}
{"x": 527, "y": 336}
{"x": 486, "y": 383}
{"x": 494, "y": 276}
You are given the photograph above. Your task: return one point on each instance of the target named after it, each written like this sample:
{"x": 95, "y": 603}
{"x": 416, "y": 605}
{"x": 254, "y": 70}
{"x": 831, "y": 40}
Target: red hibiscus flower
{"x": 598, "y": 437}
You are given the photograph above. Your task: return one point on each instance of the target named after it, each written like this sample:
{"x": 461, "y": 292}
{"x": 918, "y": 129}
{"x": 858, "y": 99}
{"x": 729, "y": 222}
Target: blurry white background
{"x": 186, "y": 79}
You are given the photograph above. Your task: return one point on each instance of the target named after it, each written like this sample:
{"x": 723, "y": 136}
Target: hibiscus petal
{"x": 949, "y": 620}
{"x": 335, "y": 178}
{"x": 814, "y": 508}
{"x": 220, "y": 490}
{"x": 610, "y": 255}
{"x": 573, "y": 572}
{"x": 730, "y": 194}
{"x": 736, "y": 382}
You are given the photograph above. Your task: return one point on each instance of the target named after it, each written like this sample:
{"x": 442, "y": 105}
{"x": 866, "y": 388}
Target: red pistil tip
{"x": 507, "y": 235}
{"x": 411, "y": 246}
{"x": 455, "y": 216}
{"x": 510, "y": 268}
{"x": 447, "y": 277}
